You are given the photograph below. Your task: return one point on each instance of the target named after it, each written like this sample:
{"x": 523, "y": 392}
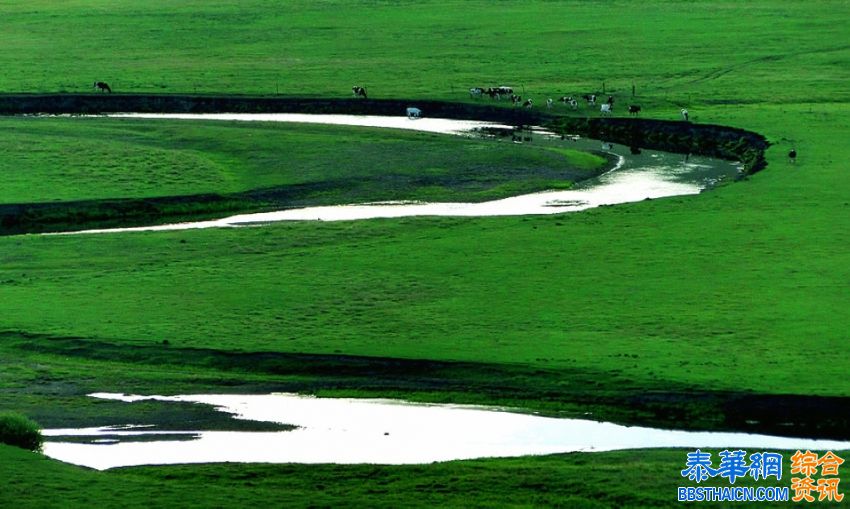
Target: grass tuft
{"x": 19, "y": 431}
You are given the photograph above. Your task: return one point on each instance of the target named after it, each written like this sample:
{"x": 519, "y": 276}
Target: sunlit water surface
{"x": 649, "y": 175}
{"x": 376, "y": 431}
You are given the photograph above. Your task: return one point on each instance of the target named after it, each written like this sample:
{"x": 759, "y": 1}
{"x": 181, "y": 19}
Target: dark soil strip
{"x": 683, "y": 137}
{"x": 20, "y": 218}
{"x": 557, "y": 392}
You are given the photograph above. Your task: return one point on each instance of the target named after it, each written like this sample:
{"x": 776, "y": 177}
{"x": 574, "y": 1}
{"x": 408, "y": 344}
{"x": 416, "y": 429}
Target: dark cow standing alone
{"x": 102, "y": 86}
{"x": 634, "y": 109}
{"x": 792, "y": 155}
{"x": 359, "y": 91}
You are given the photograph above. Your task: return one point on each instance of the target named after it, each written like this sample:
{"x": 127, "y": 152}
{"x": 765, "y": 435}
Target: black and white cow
{"x": 634, "y": 109}
{"x": 359, "y": 91}
{"x": 606, "y": 109}
{"x": 569, "y": 100}
{"x": 516, "y": 99}
{"x": 528, "y": 103}
{"x": 476, "y": 92}
{"x": 102, "y": 86}
{"x": 549, "y": 103}
{"x": 498, "y": 92}
{"x": 590, "y": 98}
{"x": 685, "y": 114}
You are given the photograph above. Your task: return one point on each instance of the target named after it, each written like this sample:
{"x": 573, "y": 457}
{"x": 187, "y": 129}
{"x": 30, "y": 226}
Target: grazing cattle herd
{"x": 493, "y": 93}
{"x": 496, "y": 93}
{"x": 605, "y": 109}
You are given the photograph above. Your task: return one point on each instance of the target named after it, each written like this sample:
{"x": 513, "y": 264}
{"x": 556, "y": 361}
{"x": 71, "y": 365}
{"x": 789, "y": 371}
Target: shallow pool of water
{"x": 636, "y": 177}
{"x": 339, "y": 430}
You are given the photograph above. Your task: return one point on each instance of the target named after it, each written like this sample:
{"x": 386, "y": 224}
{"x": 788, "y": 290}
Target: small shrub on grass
{"x": 17, "y": 430}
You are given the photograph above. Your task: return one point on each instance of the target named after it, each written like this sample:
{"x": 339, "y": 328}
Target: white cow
{"x": 476, "y": 92}
{"x": 605, "y": 109}
{"x": 414, "y": 113}
{"x": 549, "y": 103}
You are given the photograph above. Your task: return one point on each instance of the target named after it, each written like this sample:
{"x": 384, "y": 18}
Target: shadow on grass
{"x": 556, "y": 392}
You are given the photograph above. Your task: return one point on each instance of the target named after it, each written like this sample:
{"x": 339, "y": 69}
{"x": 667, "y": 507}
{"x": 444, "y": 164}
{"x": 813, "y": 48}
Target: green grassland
{"x": 706, "y": 51}
{"x": 75, "y": 159}
{"x": 614, "y": 479}
{"x": 738, "y": 292}
{"x": 73, "y": 173}
{"x": 528, "y": 290}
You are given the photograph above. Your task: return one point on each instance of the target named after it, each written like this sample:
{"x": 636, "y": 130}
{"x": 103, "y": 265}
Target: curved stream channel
{"x": 395, "y": 432}
{"x": 636, "y": 177}
{"x": 332, "y": 430}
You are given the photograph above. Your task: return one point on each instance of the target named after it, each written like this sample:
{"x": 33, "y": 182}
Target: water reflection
{"x": 638, "y": 175}
{"x": 380, "y": 431}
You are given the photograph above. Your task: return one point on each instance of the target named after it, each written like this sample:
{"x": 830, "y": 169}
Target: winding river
{"x": 636, "y": 177}
{"x": 395, "y": 432}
